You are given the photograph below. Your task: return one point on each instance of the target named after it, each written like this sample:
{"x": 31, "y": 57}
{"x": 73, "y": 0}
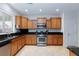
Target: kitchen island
{"x": 73, "y": 50}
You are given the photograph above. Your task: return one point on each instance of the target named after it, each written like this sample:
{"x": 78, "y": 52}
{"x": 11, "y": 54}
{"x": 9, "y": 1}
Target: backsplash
{"x": 31, "y": 30}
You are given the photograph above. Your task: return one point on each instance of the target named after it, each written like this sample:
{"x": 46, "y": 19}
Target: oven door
{"x": 41, "y": 40}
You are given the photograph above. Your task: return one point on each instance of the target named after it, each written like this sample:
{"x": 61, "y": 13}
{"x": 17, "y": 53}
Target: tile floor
{"x": 43, "y": 51}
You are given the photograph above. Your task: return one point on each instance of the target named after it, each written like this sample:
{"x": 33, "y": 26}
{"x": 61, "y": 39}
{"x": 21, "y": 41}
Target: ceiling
{"x": 47, "y": 8}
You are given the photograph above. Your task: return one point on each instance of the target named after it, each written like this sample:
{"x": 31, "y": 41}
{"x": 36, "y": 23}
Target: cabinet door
{"x": 28, "y": 39}
{"x": 49, "y": 41}
{"x": 23, "y": 40}
{"x": 53, "y": 24}
{"x": 56, "y": 23}
{"x": 24, "y": 22}
{"x": 48, "y": 24}
{"x": 30, "y": 24}
{"x": 33, "y": 40}
{"x": 13, "y": 47}
{"x": 54, "y": 39}
{"x": 18, "y": 44}
{"x": 18, "y": 22}
{"x": 60, "y": 39}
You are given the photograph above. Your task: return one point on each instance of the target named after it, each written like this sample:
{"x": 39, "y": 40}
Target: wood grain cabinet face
{"x": 31, "y": 39}
{"x": 56, "y": 23}
{"x": 55, "y": 40}
{"x": 17, "y": 44}
{"x": 21, "y": 22}
{"x": 49, "y": 41}
{"x": 48, "y": 24}
{"x": 30, "y": 24}
{"x": 18, "y": 22}
{"x": 60, "y": 39}
{"x": 13, "y": 47}
{"x": 24, "y": 23}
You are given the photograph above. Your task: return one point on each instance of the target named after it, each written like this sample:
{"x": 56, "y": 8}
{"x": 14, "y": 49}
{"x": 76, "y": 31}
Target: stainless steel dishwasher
{"x": 5, "y": 50}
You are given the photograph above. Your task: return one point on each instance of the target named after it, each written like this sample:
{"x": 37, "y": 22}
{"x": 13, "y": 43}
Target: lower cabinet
{"x": 31, "y": 39}
{"x": 60, "y": 40}
{"x": 55, "y": 40}
{"x": 14, "y": 47}
{"x": 49, "y": 40}
{"x": 16, "y": 44}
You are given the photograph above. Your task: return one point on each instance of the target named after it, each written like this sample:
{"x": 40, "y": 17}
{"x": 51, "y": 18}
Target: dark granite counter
{"x": 74, "y": 49}
{"x": 6, "y": 38}
{"x": 49, "y": 33}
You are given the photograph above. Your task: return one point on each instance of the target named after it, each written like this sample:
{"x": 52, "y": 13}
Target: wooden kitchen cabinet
{"x": 60, "y": 40}
{"x": 48, "y": 23}
{"x": 55, "y": 40}
{"x": 16, "y": 44}
{"x": 49, "y": 40}
{"x": 24, "y": 22}
{"x": 21, "y": 22}
{"x": 31, "y": 39}
{"x": 14, "y": 47}
{"x": 56, "y": 23}
{"x": 30, "y": 24}
{"x": 18, "y": 22}
{"x": 52, "y": 40}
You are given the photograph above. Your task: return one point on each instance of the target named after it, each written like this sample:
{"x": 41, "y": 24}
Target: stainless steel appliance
{"x": 41, "y": 32}
{"x": 41, "y": 40}
{"x": 41, "y": 25}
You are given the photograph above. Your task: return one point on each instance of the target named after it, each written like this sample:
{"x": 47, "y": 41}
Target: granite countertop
{"x": 49, "y": 33}
{"x": 74, "y": 49}
{"x": 8, "y": 39}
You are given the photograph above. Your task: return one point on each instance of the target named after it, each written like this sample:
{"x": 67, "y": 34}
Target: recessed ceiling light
{"x": 57, "y": 10}
{"x": 41, "y": 10}
{"x": 26, "y": 10}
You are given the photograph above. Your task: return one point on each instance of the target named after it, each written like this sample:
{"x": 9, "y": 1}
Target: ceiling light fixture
{"x": 57, "y": 10}
{"x": 40, "y": 10}
{"x": 26, "y": 10}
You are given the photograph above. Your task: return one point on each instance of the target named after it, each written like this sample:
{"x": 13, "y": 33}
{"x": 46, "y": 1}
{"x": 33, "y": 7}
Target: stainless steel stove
{"x": 41, "y": 40}
{"x": 41, "y": 34}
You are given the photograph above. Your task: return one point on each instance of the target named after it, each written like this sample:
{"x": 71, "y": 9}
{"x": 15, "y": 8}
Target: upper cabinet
{"x": 24, "y": 22}
{"x": 56, "y": 23}
{"x": 30, "y": 24}
{"x": 18, "y": 22}
{"x": 21, "y": 22}
{"x": 48, "y": 23}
